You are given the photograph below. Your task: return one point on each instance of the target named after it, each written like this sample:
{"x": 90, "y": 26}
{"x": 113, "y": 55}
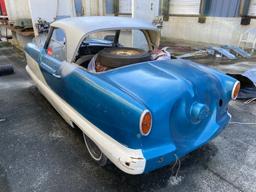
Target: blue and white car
{"x": 139, "y": 112}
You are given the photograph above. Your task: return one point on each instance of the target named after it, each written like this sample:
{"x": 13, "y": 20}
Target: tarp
{"x": 248, "y": 84}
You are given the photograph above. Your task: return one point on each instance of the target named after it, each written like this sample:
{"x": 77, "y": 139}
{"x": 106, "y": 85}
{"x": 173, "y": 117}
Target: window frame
{"x": 144, "y": 31}
{"x": 49, "y": 38}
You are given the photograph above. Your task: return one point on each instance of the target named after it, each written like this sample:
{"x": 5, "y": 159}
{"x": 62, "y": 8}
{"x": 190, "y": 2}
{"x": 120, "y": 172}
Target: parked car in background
{"x": 140, "y": 112}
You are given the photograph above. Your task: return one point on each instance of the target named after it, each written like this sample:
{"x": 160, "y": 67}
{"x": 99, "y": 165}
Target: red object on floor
{"x": 3, "y": 8}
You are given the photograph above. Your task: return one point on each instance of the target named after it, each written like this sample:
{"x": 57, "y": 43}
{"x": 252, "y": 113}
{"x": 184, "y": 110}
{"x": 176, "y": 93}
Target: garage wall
{"x": 216, "y": 30}
{"x": 221, "y": 26}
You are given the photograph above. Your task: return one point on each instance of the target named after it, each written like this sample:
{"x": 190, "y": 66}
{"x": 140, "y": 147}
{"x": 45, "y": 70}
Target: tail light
{"x": 49, "y": 51}
{"x": 145, "y": 123}
{"x": 235, "y": 90}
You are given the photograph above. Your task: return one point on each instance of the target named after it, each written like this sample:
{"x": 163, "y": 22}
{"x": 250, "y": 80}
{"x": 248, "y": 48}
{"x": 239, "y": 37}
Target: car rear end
{"x": 187, "y": 106}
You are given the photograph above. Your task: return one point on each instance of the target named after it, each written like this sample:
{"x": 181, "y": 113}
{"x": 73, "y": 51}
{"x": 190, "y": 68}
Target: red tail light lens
{"x": 49, "y": 51}
{"x": 145, "y": 123}
{"x": 236, "y": 90}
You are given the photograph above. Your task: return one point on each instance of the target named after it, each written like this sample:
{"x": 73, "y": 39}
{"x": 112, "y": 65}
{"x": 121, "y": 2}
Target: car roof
{"x": 76, "y": 28}
{"x": 94, "y": 23}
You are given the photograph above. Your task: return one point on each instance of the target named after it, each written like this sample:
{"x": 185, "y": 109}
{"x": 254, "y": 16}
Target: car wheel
{"x": 121, "y": 56}
{"x": 95, "y": 151}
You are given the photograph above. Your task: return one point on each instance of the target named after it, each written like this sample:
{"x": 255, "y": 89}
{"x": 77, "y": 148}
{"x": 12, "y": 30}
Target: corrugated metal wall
{"x": 252, "y": 9}
{"x": 184, "y": 7}
{"x": 222, "y": 8}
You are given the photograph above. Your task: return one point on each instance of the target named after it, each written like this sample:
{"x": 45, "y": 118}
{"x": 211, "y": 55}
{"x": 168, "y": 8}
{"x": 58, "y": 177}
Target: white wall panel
{"x": 125, "y": 6}
{"x": 49, "y": 9}
{"x": 145, "y": 10}
{"x": 18, "y": 9}
{"x": 184, "y": 7}
{"x": 252, "y": 8}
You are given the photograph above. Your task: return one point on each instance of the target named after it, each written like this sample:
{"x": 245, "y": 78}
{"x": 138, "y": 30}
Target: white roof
{"x": 76, "y": 28}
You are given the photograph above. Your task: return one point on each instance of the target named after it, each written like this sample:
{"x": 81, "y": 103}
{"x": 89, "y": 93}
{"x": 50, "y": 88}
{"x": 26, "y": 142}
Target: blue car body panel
{"x": 173, "y": 91}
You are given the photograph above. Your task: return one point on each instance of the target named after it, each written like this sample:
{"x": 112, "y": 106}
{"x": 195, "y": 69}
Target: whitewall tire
{"x": 95, "y": 152}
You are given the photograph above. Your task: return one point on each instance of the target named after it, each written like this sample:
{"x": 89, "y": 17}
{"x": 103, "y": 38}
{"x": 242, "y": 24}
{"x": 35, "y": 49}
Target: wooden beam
{"x": 165, "y": 8}
{"x": 116, "y": 7}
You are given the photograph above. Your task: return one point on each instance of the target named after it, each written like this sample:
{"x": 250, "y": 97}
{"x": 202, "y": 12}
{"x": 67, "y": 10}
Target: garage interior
{"x": 39, "y": 151}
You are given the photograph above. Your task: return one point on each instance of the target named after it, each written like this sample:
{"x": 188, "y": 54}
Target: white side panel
{"x": 93, "y": 8}
{"x": 37, "y": 76}
{"x": 146, "y": 10}
{"x": 184, "y": 7}
{"x": 49, "y": 9}
{"x": 18, "y": 9}
{"x": 125, "y": 6}
{"x": 33, "y": 65}
{"x": 87, "y": 7}
{"x": 10, "y": 8}
{"x": 38, "y": 9}
{"x": 252, "y": 8}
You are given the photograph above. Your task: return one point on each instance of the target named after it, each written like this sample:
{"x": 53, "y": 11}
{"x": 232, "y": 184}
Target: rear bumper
{"x": 168, "y": 154}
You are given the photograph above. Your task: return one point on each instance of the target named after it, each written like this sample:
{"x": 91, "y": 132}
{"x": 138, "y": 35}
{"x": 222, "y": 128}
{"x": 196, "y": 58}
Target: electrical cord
{"x": 250, "y": 101}
{"x": 241, "y": 123}
{"x": 174, "y": 165}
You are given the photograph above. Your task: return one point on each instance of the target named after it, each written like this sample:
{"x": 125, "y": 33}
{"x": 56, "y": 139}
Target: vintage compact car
{"x": 134, "y": 109}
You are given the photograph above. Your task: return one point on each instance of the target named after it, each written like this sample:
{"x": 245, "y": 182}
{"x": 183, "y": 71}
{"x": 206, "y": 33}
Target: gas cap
{"x": 199, "y": 112}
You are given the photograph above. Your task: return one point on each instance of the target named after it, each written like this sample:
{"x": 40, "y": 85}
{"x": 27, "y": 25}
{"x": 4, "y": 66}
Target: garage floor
{"x": 40, "y": 152}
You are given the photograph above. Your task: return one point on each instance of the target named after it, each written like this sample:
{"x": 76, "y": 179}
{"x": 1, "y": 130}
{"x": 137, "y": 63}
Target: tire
{"x": 122, "y": 56}
{"x": 95, "y": 152}
{"x": 6, "y": 69}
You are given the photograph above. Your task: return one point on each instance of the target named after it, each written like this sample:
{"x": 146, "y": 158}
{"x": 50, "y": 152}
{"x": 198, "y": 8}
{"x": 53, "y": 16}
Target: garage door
{"x": 252, "y": 8}
{"x": 125, "y": 6}
{"x": 184, "y": 7}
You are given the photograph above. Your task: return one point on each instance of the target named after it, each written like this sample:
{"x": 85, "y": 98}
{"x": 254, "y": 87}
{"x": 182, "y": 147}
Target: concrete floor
{"x": 40, "y": 152}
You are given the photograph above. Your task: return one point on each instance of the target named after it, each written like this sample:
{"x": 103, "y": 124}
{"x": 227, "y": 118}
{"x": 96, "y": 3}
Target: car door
{"x": 52, "y": 57}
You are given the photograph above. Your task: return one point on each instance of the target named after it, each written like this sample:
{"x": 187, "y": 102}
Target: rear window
{"x": 127, "y": 38}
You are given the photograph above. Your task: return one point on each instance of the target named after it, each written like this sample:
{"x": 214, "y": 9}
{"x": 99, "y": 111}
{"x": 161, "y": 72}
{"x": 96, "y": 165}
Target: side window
{"x": 57, "y": 45}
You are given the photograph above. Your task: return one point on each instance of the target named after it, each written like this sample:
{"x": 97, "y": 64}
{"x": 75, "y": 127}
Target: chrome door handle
{"x": 50, "y": 70}
{"x": 56, "y": 75}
